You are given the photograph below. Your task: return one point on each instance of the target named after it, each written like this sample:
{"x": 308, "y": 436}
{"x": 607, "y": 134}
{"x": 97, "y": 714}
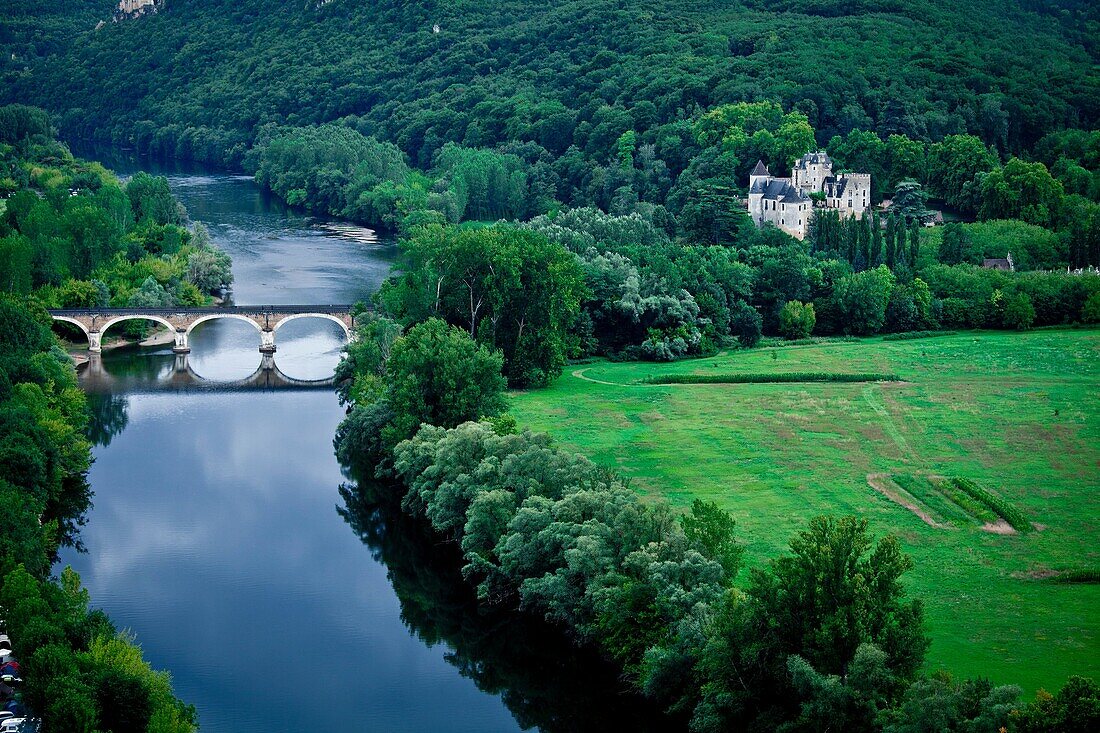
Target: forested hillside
{"x": 201, "y": 79}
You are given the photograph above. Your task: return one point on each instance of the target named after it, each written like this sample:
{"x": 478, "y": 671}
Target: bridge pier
{"x": 95, "y": 341}
{"x": 181, "y": 347}
{"x": 267, "y": 341}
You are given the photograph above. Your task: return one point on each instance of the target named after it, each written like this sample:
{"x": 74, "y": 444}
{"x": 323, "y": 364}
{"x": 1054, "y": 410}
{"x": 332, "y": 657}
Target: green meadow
{"x": 981, "y": 427}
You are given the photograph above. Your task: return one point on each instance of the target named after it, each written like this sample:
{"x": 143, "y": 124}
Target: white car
{"x": 5, "y": 645}
{"x": 12, "y": 725}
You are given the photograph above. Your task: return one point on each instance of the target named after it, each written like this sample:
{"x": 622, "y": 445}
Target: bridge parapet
{"x": 267, "y": 319}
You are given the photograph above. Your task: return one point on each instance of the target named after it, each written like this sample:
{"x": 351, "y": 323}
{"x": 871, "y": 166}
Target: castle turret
{"x": 758, "y": 182}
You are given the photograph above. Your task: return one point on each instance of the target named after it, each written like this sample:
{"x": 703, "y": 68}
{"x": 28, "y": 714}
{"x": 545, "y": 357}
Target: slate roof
{"x": 779, "y": 189}
{"x": 760, "y": 169}
{"x": 835, "y": 186}
{"x": 813, "y": 158}
{"x": 997, "y": 264}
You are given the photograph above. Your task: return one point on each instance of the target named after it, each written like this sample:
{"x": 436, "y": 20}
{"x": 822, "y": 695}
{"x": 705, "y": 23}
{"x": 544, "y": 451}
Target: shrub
{"x": 796, "y": 319}
{"x": 1019, "y": 312}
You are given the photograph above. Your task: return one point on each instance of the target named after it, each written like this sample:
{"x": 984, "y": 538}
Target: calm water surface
{"x": 215, "y": 535}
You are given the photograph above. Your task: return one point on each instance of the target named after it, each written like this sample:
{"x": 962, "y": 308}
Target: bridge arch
{"x": 135, "y": 317}
{"x": 327, "y": 316}
{"x": 75, "y": 322}
{"x": 215, "y": 316}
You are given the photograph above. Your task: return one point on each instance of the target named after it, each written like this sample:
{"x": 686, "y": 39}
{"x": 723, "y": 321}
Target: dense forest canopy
{"x": 204, "y": 78}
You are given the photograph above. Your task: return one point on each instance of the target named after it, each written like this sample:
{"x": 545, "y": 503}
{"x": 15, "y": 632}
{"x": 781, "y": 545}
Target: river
{"x": 219, "y": 535}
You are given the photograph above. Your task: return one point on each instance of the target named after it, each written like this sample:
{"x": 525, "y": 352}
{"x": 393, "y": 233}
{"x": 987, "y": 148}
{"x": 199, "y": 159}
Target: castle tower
{"x": 758, "y": 181}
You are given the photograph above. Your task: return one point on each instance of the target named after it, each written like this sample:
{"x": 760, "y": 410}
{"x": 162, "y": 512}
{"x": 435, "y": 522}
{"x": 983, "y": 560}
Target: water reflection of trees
{"x": 109, "y": 417}
{"x": 545, "y": 681}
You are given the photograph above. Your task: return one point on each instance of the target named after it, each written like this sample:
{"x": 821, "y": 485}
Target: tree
{"x": 909, "y": 201}
{"x": 838, "y": 589}
{"x": 1074, "y": 709}
{"x": 1019, "y": 313}
{"x": 746, "y": 324}
{"x": 796, "y": 320}
{"x": 954, "y": 168}
{"x": 152, "y": 200}
{"x": 939, "y": 703}
{"x": 1024, "y": 191}
{"x": 713, "y": 530}
{"x": 955, "y": 245}
{"x": 210, "y": 270}
{"x": 1090, "y": 312}
{"x": 862, "y": 298}
{"x": 914, "y": 243}
{"x": 511, "y": 288}
{"x": 151, "y": 294}
{"x": 438, "y": 375}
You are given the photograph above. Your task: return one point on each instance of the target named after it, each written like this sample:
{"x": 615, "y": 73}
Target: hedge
{"x": 769, "y": 378}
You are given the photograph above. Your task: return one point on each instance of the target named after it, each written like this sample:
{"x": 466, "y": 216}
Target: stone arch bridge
{"x": 267, "y": 319}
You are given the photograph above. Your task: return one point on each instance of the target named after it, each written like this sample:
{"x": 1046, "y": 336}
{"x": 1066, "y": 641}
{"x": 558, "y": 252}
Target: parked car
{"x": 12, "y": 725}
{"x": 5, "y": 645}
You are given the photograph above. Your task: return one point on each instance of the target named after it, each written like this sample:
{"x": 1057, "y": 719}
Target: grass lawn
{"x": 1017, "y": 414}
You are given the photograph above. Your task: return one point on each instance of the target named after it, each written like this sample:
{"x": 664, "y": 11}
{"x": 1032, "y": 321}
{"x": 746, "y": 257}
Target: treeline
{"x": 335, "y": 170}
{"x": 824, "y": 635}
{"x": 586, "y": 283}
{"x": 199, "y": 80}
{"x": 513, "y": 112}
{"x": 80, "y": 674}
{"x": 675, "y": 267}
{"x": 74, "y": 235}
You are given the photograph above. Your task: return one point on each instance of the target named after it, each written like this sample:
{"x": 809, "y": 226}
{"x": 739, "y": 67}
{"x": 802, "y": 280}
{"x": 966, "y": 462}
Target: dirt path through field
{"x": 881, "y": 483}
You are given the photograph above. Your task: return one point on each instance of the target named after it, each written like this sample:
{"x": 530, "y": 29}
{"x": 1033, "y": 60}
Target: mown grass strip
{"x": 769, "y": 378}
{"x": 908, "y": 335}
{"x": 996, "y": 504}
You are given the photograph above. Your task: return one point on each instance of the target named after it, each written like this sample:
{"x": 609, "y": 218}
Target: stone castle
{"x": 134, "y": 8}
{"x": 786, "y": 202}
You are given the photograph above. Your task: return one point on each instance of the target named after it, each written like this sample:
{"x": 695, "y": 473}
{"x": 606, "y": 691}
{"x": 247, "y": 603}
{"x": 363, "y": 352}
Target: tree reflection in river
{"x": 545, "y": 680}
{"x": 109, "y": 417}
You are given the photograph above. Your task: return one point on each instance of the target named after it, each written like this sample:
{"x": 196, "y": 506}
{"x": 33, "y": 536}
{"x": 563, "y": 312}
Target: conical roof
{"x": 760, "y": 169}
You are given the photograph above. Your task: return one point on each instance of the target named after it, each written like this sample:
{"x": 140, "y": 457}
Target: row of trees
{"x": 585, "y": 282}
{"x": 822, "y": 635}
{"x": 80, "y": 674}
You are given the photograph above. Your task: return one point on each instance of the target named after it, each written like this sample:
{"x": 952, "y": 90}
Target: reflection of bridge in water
{"x": 96, "y": 379}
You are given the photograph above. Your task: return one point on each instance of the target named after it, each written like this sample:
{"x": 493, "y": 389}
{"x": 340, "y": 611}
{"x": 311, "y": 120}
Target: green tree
{"x": 863, "y": 297}
{"x": 796, "y": 320}
{"x": 1024, "y": 191}
{"x": 439, "y": 376}
{"x": 955, "y": 166}
{"x": 746, "y": 324}
{"x": 1019, "y": 313}
{"x": 712, "y": 529}
{"x": 152, "y": 200}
